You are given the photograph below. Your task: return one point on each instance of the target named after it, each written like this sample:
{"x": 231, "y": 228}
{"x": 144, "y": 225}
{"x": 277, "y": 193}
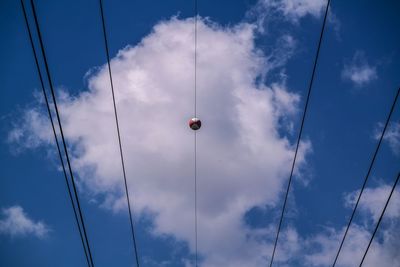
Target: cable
{"x": 195, "y": 57}
{"x": 367, "y": 176}
{"x": 300, "y": 131}
{"x": 380, "y": 219}
{"x": 118, "y": 133}
{"x": 54, "y": 131}
{"x": 195, "y": 133}
{"x": 61, "y": 131}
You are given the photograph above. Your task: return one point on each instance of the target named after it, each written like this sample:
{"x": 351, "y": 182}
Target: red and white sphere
{"x": 194, "y": 124}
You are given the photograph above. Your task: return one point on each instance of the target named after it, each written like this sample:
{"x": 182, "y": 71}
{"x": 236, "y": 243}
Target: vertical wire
{"x": 195, "y": 58}
{"x": 195, "y": 195}
{"x": 195, "y": 133}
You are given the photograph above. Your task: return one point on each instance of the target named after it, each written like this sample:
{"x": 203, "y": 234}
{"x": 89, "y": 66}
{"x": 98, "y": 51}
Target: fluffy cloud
{"x": 296, "y": 9}
{"x": 283, "y": 51}
{"x": 372, "y": 202}
{"x": 289, "y": 10}
{"x": 322, "y": 248}
{"x": 392, "y": 137}
{"x": 382, "y": 252}
{"x": 243, "y": 160}
{"x": 20, "y": 134}
{"x": 358, "y": 71}
{"x": 16, "y": 223}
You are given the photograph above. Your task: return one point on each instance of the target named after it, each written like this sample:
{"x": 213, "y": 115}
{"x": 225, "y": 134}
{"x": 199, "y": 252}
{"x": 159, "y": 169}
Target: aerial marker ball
{"x": 194, "y": 124}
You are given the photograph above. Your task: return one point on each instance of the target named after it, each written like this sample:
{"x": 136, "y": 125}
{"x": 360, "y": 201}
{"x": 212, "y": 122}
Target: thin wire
{"x": 118, "y": 133}
{"x": 367, "y": 176}
{"x": 195, "y": 134}
{"x": 380, "y": 219}
{"x": 300, "y": 132}
{"x": 54, "y": 131}
{"x": 195, "y": 57}
{"x": 61, "y": 131}
{"x": 195, "y": 195}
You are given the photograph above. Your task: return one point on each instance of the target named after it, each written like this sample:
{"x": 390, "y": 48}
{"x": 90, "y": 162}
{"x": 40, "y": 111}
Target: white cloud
{"x": 392, "y": 136}
{"x": 373, "y": 200}
{"x": 383, "y": 252}
{"x": 358, "y": 71}
{"x": 289, "y": 10}
{"x": 16, "y": 223}
{"x": 21, "y": 133}
{"x": 296, "y": 9}
{"x": 243, "y": 161}
{"x": 283, "y": 51}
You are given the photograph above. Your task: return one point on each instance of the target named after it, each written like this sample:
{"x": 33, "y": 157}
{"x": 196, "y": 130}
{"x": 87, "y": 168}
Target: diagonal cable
{"x": 54, "y": 131}
{"x": 61, "y": 131}
{"x": 380, "y": 219}
{"x": 300, "y": 132}
{"x": 367, "y": 176}
{"x": 118, "y": 133}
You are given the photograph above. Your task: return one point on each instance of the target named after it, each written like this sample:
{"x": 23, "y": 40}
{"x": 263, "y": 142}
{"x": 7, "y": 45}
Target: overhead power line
{"x": 61, "y": 131}
{"x": 195, "y": 132}
{"x": 380, "y": 219}
{"x": 300, "y": 132}
{"x": 195, "y": 58}
{"x": 54, "y": 131}
{"x": 367, "y": 175}
{"x": 118, "y": 133}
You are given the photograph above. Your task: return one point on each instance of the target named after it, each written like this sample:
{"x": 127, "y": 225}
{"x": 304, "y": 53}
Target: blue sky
{"x": 254, "y": 65}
